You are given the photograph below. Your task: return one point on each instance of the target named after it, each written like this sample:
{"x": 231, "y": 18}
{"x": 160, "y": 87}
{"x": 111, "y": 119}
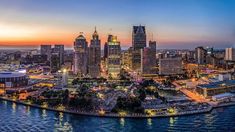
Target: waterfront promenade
{"x": 115, "y": 115}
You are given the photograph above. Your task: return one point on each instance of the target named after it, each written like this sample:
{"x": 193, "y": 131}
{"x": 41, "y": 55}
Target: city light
{"x": 68, "y": 64}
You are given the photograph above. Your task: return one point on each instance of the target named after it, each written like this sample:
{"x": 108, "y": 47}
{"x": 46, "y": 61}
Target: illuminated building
{"x": 138, "y": 43}
{"x": 215, "y": 88}
{"x": 170, "y": 66}
{"x": 230, "y": 54}
{"x": 127, "y": 58}
{"x": 114, "y": 57}
{"x": 46, "y": 50}
{"x": 94, "y": 56}
{"x": 106, "y": 46}
{"x": 200, "y": 55}
{"x": 13, "y": 79}
{"x": 80, "y": 56}
{"x": 64, "y": 77}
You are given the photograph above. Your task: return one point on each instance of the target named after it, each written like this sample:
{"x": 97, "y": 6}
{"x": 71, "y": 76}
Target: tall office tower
{"x": 200, "y": 55}
{"x": 64, "y": 77}
{"x": 170, "y": 66}
{"x": 230, "y": 54}
{"x": 60, "y": 50}
{"x": 114, "y": 57}
{"x": 106, "y": 46}
{"x": 46, "y": 50}
{"x": 153, "y": 47}
{"x": 80, "y": 56}
{"x": 105, "y": 51}
{"x": 126, "y": 58}
{"x": 138, "y": 43}
{"x": 55, "y": 62}
{"x": 94, "y": 56}
{"x": 148, "y": 61}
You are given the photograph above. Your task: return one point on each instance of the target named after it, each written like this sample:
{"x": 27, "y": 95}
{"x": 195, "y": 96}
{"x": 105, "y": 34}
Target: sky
{"x": 172, "y": 23}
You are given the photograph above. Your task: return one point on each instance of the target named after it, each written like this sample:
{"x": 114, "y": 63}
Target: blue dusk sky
{"x": 172, "y": 23}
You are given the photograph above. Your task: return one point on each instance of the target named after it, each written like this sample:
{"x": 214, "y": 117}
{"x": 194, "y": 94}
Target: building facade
{"x": 60, "y": 49}
{"x": 230, "y": 54}
{"x": 80, "y": 56}
{"x": 148, "y": 61}
{"x": 46, "y": 50}
{"x": 170, "y": 66}
{"x": 114, "y": 58}
{"x": 13, "y": 79}
{"x": 138, "y": 43}
{"x": 94, "y": 56}
{"x": 215, "y": 88}
{"x": 200, "y": 55}
{"x": 55, "y": 62}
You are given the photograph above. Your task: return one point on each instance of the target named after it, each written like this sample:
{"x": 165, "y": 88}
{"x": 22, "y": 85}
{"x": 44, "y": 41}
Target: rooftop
{"x": 11, "y": 74}
{"x": 218, "y": 84}
{"x": 224, "y": 95}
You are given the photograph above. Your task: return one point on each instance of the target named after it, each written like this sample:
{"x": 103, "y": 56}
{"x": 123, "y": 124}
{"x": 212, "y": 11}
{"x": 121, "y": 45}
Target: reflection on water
{"x": 172, "y": 121}
{"x": 149, "y": 121}
{"x": 49, "y": 121}
{"x": 122, "y": 122}
{"x": 5, "y": 103}
{"x": 62, "y": 126}
{"x": 14, "y": 107}
{"x": 44, "y": 113}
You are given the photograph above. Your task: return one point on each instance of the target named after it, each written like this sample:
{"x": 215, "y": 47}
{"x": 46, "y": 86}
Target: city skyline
{"x": 173, "y": 24}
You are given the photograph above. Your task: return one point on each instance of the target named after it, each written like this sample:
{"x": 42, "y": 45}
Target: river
{"x": 20, "y": 118}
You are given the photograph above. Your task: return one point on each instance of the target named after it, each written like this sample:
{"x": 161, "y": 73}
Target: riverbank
{"x": 114, "y": 115}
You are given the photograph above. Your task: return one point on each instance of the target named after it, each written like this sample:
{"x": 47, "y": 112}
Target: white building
{"x": 223, "y": 77}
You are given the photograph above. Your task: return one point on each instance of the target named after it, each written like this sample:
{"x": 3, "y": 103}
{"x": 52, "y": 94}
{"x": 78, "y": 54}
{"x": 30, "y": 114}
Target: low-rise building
{"x": 13, "y": 79}
{"x": 223, "y": 77}
{"x": 215, "y": 88}
{"x": 170, "y": 66}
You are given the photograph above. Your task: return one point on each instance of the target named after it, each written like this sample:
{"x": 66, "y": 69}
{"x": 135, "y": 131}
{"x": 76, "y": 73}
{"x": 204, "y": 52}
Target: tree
{"x": 66, "y": 96}
{"x": 142, "y": 94}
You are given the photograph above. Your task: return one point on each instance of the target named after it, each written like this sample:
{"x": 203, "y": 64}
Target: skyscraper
{"x": 114, "y": 57}
{"x": 148, "y": 61}
{"x": 138, "y": 43}
{"x": 230, "y": 54}
{"x": 80, "y": 55}
{"x": 94, "y": 56}
{"x": 153, "y": 46}
{"x": 60, "y": 50}
{"x": 46, "y": 50}
{"x": 138, "y": 37}
{"x": 200, "y": 54}
{"x": 55, "y": 62}
{"x": 106, "y": 46}
{"x": 148, "y": 58}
